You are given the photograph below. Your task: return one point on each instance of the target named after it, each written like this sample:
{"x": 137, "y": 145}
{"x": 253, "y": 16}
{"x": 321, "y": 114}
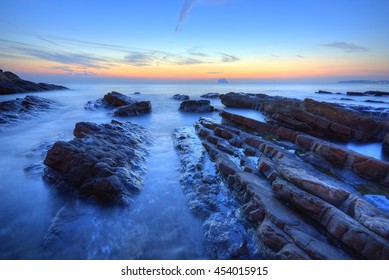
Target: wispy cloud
{"x": 346, "y": 47}
{"x": 140, "y": 59}
{"x": 228, "y": 58}
{"x": 300, "y": 56}
{"x": 186, "y": 8}
{"x": 213, "y": 73}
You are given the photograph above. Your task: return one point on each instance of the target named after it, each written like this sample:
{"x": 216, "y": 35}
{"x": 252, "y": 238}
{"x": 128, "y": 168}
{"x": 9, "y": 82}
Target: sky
{"x": 195, "y": 40}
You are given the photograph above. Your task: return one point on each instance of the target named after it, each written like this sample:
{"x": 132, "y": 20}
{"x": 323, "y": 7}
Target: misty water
{"x": 38, "y": 222}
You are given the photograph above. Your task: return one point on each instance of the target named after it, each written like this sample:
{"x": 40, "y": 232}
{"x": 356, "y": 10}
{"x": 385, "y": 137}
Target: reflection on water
{"x": 37, "y": 222}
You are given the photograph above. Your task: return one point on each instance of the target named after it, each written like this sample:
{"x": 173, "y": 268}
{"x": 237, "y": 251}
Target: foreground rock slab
{"x": 13, "y": 111}
{"x": 104, "y": 162}
{"x": 196, "y": 106}
{"x": 11, "y": 83}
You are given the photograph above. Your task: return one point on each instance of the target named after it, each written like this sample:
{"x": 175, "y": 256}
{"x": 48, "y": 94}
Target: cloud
{"x": 300, "y": 56}
{"x": 186, "y": 8}
{"x": 140, "y": 59}
{"x": 346, "y": 47}
{"x": 228, "y": 58}
{"x": 213, "y": 73}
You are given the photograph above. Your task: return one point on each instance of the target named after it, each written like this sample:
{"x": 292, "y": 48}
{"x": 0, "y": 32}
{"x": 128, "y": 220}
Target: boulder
{"x": 11, "y": 83}
{"x": 324, "y": 92}
{"x": 104, "y": 162}
{"x": 196, "y": 106}
{"x": 117, "y": 99}
{"x": 210, "y": 95}
{"x": 180, "y": 97}
{"x": 135, "y": 109}
{"x": 385, "y": 144}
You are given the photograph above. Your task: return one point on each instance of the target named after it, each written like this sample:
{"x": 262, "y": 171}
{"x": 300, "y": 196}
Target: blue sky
{"x": 196, "y": 39}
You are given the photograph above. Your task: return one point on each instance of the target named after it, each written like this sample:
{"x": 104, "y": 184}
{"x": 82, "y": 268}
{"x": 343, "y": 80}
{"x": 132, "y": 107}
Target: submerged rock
{"x": 104, "y": 162}
{"x": 196, "y": 106}
{"x": 21, "y": 108}
{"x": 125, "y": 105}
{"x": 11, "y": 83}
{"x": 180, "y": 97}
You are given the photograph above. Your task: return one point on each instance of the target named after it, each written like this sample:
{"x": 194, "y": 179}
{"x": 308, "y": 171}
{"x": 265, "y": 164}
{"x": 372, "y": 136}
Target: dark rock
{"x": 14, "y": 110}
{"x": 385, "y": 144}
{"x": 324, "y": 92}
{"x": 196, "y": 106}
{"x": 125, "y": 106}
{"x": 222, "y": 81}
{"x": 104, "y": 162}
{"x": 136, "y": 92}
{"x": 347, "y": 99}
{"x": 11, "y": 83}
{"x": 134, "y": 109}
{"x": 375, "y": 101}
{"x": 180, "y": 97}
{"x": 354, "y": 93}
{"x": 377, "y": 93}
{"x": 211, "y": 95}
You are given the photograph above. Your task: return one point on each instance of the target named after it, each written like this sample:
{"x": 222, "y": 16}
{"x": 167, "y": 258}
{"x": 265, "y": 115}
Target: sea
{"x": 38, "y": 222}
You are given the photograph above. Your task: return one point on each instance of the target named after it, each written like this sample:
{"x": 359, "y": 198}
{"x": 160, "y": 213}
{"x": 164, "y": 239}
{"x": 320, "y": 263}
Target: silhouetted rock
{"x": 211, "y": 95}
{"x": 377, "y": 93}
{"x": 136, "y": 92}
{"x": 103, "y": 161}
{"x": 11, "y": 83}
{"x": 324, "y": 92}
{"x": 14, "y": 110}
{"x": 196, "y": 106}
{"x": 180, "y": 97}
{"x": 354, "y": 93}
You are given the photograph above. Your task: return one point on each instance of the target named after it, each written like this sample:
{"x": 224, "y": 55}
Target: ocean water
{"x": 36, "y": 222}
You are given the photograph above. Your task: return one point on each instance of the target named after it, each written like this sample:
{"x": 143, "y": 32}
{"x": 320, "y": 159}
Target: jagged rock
{"x": 211, "y": 95}
{"x": 283, "y": 193}
{"x": 196, "y": 106}
{"x": 125, "y": 106}
{"x": 14, "y": 110}
{"x": 11, "y": 83}
{"x": 180, "y": 97}
{"x": 103, "y": 161}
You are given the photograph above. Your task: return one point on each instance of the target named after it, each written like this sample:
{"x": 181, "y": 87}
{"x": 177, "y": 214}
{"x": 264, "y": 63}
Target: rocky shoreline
{"x": 11, "y": 83}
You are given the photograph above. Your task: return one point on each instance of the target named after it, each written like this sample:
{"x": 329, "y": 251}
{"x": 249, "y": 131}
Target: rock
{"x": 375, "y": 101}
{"x": 211, "y": 95}
{"x": 298, "y": 211}
{"x": 377, "y": 93}
{"x": 137, "y": 108}
{"x": 136, "y": 92}
{"x": 104, "y": 162}
{"x": 324, "y": 92}
{"x": 125, "y": 106}
{"x": 222, "y": 81}
{"x": 180, "y": 97}
{"x": 196, "y": 106}
{"x": 11, "y": 83}
{"x": 15, "y": 110}
{"x": 354, "y": 93}
{"x": 385, "y": 144}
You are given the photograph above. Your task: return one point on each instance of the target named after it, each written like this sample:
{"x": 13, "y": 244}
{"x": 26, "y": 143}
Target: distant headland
{"x": 222, "y": 81}
{"x": 364, "y": 82}
{"x": 11, "y": 83}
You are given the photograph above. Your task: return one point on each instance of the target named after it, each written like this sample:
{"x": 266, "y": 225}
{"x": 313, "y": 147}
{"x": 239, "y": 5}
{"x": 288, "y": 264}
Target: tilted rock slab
{"x": 298, "y": 212}
{"x": 104, "y": 162}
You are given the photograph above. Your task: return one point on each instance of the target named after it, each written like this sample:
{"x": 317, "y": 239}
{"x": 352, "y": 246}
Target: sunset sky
{"x": 150, "y": 40}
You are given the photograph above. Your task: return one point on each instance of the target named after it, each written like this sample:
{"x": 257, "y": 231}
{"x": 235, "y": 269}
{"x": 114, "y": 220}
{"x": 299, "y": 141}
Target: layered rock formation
{"x": 320, "y": 119}
{"x": 124, "y": 106}
{"x": 104, "y": 162}
{"x": 21, "y": 108}
{"x": 11, "y": 83}
{"x": 298, "y": 210}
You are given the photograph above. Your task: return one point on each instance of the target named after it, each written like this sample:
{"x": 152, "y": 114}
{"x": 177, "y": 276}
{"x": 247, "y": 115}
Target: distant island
{"x": 364, "y": 82}
{"x": 11, "y": 83}
{"x": 222, "y": 81}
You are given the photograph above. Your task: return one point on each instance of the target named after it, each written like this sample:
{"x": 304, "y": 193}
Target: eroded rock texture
{"x": 297, "y": 211}
{"x": 104, "y": 162}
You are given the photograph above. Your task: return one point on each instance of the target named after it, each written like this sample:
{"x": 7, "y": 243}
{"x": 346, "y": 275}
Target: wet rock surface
{"x": 103, "y": 162}
{"x": 13, "y": 111}
{"x": 211, "y": 95}
{"x": 196, "y": 106}
{"x": 298, "y": 211}
{"x": 124, "y": 106}
{"x": 225, "y": 233}
{"x": 11, "y": 83}
{"x": 180, "y": 97}
{"x": 320, "y": 119}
